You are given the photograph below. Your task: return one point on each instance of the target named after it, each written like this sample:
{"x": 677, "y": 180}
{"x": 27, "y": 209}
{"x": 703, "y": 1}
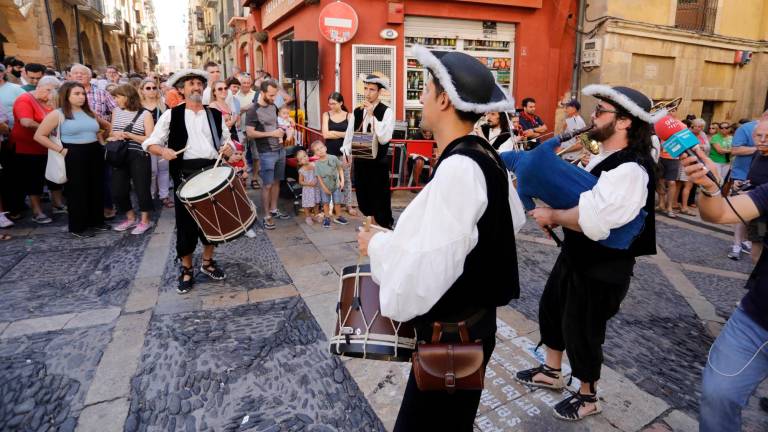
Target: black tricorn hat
{"x": 469, "y": 84}
{"x": 627, "y": 99}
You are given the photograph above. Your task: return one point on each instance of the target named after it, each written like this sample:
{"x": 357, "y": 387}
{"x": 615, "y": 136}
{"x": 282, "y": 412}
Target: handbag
{"x": 56, "y": 168}
{"x": 449, "y": 366}
{"x": 116, "y": 151}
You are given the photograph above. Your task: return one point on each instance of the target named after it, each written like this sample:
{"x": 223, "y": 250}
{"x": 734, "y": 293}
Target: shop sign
{"x": 273, "y": 10}
{"x": 338, "y": 22}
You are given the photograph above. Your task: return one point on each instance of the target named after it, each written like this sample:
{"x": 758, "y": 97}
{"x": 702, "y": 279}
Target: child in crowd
{"x": 330, "y": 175}
{"x": 310, "y": 193}
{"x": 237, "y": 161}
{"x": 285, "y": 122}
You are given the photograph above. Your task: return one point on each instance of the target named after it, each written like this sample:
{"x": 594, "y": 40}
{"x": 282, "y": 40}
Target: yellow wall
{"x": 651, "y": 11}
{"x": 746, "y": 19}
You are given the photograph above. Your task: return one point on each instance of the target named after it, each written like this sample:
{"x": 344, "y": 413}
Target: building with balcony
{"x": 58, "y": 33}
{"x": 209, "y": 36}
{"x": 712, "y": 53}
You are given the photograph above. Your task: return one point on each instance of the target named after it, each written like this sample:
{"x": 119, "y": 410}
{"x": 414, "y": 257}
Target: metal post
{"x": 53, "y": 35}
{"x": 77, "y": 34}
{"x": 576, "y": 77}
{"x": 338, "y": 68}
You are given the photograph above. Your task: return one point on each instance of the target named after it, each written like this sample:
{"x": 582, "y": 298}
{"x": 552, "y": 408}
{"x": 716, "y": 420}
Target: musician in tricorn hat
{"x": 589, "y": 280}
{"x": 372, "y": 175}
{"x": 197, "y": 134}
{"x": 451, "y": 257}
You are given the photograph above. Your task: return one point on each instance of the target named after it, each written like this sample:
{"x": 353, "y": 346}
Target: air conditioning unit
{"x": 591, "y": 52}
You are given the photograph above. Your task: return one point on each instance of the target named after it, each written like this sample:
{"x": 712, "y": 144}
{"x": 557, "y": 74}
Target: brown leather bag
{"x": 449, "y": 367}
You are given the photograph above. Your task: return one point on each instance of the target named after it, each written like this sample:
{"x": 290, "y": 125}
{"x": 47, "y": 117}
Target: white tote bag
{"x": 55, "y": 169}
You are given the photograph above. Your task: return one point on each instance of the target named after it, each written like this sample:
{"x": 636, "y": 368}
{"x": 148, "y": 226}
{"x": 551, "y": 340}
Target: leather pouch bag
{"x": 449, "y": 366}
{"x": 116, "y": 152}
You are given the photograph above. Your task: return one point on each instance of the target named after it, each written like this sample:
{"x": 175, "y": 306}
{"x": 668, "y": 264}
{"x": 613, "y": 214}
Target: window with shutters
{"x": 376, "y": 60}
{"x": 696, "y": 15}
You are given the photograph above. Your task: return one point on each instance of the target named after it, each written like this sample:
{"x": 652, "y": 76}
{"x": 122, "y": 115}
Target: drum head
{"x": 204, "y": 182}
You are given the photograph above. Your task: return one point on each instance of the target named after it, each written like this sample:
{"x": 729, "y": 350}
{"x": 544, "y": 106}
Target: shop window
{"x": 376, "y": 60}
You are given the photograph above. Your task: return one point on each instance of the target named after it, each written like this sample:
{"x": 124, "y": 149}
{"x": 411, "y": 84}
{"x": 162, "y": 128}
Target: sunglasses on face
{"x": 221, "y": 89}
{"x": 150, "y": 88}
{"x": 600, "y": 110}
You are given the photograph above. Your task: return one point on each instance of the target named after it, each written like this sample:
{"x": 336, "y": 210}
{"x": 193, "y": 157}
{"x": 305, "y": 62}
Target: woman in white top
{"x": 161, "y": 178}
{"x": 131, "y": 122}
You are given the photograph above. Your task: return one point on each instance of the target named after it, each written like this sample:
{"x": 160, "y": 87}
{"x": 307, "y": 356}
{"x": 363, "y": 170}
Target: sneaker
{"x": 103, "y": 227}
{"x": 309, "y": 221}
{"x": 5, "y": 222}
{"x": 671, "y": 214}
{"x": 746, "y": 247}
{"x": 341, "y": 220}
{"x": 250, "y": 233}
{"x": 81, "y": 235}
{"x": 327, "y": 223}
{"x": 59, "y": 210}
{"x": 41, "y": 219}
{"x": 141, "y": 228}
{"x": 269, "y": 224}
{"x": 279, "y": 215}
{"x": 735, "y": 253}
{"x": 125, "y": 225}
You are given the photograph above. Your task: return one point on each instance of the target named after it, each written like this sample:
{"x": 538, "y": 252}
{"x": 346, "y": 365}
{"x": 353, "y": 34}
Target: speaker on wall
{"x": 288, "y": 58}
{"x": 300, "y": 60}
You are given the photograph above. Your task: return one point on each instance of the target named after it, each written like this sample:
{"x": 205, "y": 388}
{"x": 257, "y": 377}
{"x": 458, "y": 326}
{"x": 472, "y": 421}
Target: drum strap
{"x": 212, "y": 125}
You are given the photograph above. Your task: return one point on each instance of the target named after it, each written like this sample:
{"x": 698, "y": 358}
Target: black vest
{"x": 177, "y": 135}
{"x": 499, "y": 140}
{"x": 378, "y": 113}
{"x": 490, "y": 277}
{"x": 582, "y": 251}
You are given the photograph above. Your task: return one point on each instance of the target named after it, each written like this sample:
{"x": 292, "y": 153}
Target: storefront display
{"x": 489, "y": 42}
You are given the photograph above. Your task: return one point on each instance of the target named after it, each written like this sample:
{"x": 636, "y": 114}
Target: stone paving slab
{"x": 44, "y": 377}
{"x": 249, "y": 263}
{"x": 101, "y": 417}
{"x": 256, "y": 366}
{"x": 265, "y": 294}
{"x": 37, "y": 325}
{"x": 314, "y": 279}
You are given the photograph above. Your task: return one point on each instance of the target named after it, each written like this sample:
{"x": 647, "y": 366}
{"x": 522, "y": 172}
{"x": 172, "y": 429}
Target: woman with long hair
{"x": 219, "y": 97}
{"x": 338, "y": 128}
{"x": 83, "y": 157}
{"x": 132, "y": 123}
{"x": 161, "y": 178}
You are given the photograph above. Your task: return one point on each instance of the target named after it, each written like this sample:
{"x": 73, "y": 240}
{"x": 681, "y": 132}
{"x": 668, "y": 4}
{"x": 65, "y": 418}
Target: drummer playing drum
{"x": 199, "y": 133}
{"x": 451, "y": 256}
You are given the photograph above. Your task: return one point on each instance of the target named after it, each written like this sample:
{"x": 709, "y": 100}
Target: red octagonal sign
{"x": 338, "y": 22}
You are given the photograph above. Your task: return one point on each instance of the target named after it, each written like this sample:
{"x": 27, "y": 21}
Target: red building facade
{"x": 528, "y": 44}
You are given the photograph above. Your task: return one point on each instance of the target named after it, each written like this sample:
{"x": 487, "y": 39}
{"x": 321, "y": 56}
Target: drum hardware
{"x": 361, "y": 330}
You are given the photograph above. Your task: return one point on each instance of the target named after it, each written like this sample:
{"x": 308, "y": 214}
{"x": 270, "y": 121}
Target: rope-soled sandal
{"x": 568, "y": 408}
{"x": 185, "y": 286}
{"x": 526, "y": 377}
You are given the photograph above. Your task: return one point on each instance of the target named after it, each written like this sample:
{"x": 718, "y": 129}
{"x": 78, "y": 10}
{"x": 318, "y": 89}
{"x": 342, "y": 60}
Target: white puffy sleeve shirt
{"x": 384, "y": 128}
{"x": 417, "y": 263}
{"x": 616, "y": 199}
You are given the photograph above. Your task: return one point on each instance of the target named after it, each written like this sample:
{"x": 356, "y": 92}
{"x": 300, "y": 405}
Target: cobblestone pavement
{"x": 94, "y": 337}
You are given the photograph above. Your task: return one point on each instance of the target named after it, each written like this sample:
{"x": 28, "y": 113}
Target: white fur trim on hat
{"x": 187, "y": 73}
{"x": 622, "y": 100}
{"x": 380, "y": 81}
{"x": 429, "y": 61}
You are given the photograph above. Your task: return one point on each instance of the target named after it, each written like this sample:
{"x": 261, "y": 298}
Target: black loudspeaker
{"x": 304, "y": 60}
{"x": 288, "y": 58}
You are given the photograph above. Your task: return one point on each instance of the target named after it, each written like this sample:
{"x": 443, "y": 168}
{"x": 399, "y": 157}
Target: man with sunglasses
{"x": 589, "y": 281}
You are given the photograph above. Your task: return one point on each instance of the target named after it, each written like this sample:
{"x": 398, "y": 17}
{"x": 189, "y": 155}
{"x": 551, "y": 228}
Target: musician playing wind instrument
{"x": 372, "y": 175}
{"x": 197, "y": 134}
{"x": 589, "y": 280}
{"x": 452, "y": 256}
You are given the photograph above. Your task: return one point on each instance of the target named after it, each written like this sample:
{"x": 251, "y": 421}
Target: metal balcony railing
{"x": 696, "y": 15}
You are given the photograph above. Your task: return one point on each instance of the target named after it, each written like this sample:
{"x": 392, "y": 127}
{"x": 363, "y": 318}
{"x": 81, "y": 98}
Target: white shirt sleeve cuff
{"x": 589, "y": 221}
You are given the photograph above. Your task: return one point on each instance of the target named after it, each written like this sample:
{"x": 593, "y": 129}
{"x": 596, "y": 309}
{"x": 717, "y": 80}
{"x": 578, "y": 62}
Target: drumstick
{"x": 182, "y": 150}
{"x": 218, "y": 160}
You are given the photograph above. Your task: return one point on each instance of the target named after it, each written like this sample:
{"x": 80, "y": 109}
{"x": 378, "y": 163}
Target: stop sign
{"x": 338, "y": 22}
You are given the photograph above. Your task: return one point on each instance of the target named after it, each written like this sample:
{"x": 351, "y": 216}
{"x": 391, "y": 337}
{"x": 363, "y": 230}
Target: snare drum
{"x": 361, "y": 331}
{"x": 217, "y": 201}
{"x": 364, "y": 145}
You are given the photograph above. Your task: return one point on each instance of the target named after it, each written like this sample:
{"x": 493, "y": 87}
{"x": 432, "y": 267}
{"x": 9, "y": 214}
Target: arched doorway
{"x": 107, "y": 54}
{"x": 85, "y": 44}
{"x": 245, "y": 58}
{"x": 258, "y": 58}
{"x": 62, "y": 43}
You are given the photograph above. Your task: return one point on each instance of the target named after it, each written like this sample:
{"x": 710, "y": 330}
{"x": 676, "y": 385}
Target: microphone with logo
{"x": 678, "y": 139}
